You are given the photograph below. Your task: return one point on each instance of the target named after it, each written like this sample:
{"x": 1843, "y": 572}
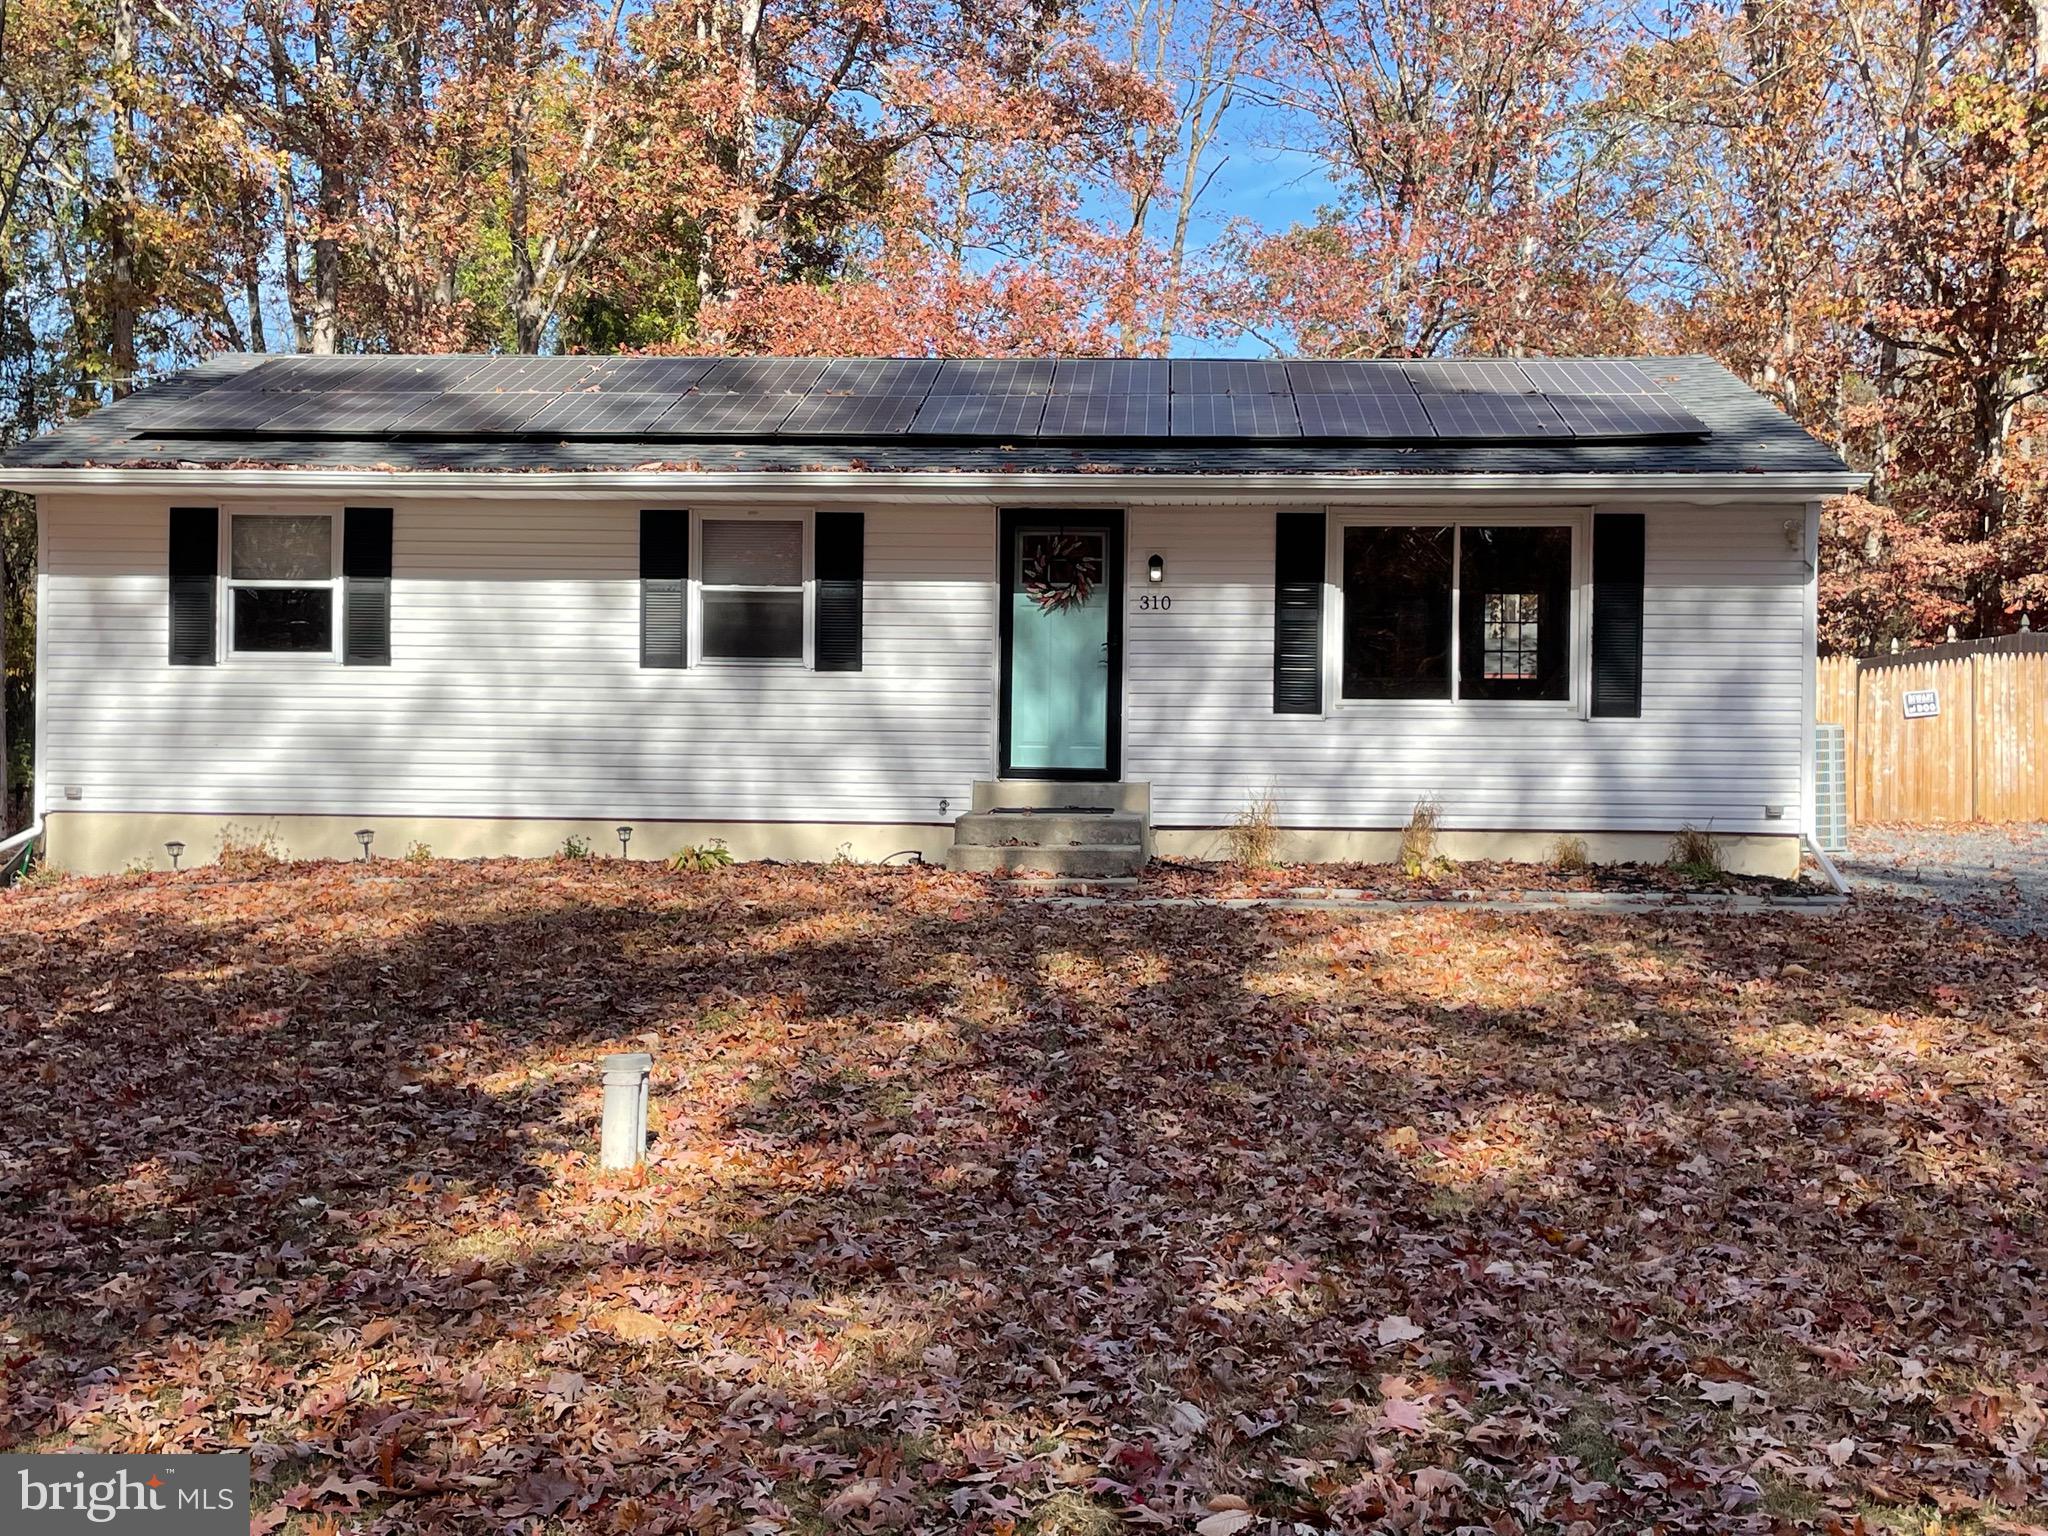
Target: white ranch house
{"x": 807, "y": 607}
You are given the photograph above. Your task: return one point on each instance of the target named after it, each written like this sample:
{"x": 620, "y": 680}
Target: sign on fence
{"x": 1922, "y": 703}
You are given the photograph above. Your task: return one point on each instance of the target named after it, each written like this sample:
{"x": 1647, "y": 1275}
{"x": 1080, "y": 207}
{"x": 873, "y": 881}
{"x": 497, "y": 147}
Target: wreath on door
{"x": 1061, "y": 570}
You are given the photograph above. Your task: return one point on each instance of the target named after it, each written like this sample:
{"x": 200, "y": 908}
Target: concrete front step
{"x": 1047, "y": 794}
{"x": 1074, "y": 861}
{"x": 1049, "y": 829}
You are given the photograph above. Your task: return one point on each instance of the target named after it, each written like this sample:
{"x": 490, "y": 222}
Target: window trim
{"x": 697, "y": 657}
{"x": 228, "y": 583}
{"x": 1579, "y": 666}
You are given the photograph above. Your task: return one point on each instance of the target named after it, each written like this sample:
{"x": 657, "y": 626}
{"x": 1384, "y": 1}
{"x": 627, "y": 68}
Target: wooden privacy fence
{"x": 1976, "y": 750}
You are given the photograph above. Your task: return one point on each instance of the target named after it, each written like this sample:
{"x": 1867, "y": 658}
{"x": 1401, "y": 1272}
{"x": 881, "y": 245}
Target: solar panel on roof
{"x": 1588, "y": 376}
{"x": 647, "y": 375}
{"x": 761, "y": 375}
{"x": 1111, "y": 376}
{"x": 1390, "y": 416}
{"x": 1476, "y": 375}
{"x": 1625, "y": 416}
{"x": 1480, "y": 415}
{"x": 727, "y": 415}
{"x": 980, "y": 415}
{"x": 484, "y": 412}
{"x": 993, "y": 376}
{"x": 1234, "y": 416}
{"x": 211, "y": 411}
{"x": 1347, "y": 378}
{"x": 420, "y": 374}
{"x": 339, "y": 412}
{"x": 1104, "y": 416}
{"x": 822, "y": 415}
{"x": 612, "y": 412}
{"x": 877, "y": 376}
{"x": 526, "y": 375}
{"x": 1227, "y": 376}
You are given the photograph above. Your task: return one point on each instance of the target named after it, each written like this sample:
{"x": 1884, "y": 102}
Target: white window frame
{"x": 228, "y": 584}
{"x": 801, "y": 516}
{"x": 1578, "y": 670}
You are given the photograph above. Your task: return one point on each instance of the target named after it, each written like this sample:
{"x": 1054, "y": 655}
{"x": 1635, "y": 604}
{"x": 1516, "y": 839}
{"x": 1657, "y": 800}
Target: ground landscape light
{"x": 363, "y": 836}
{"x": 174, "y": 848}
{"x": 625, "y": 837}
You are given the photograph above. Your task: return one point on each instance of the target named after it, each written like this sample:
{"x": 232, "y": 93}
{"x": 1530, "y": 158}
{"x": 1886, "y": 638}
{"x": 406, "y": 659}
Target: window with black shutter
{"x": 1298, "y": 551}
{"x": 664, "y": 589}
{"x": 194, "y": 573}
{"x": 1618, "y": 548}
{"x": 366, "y": 587}
{"x": 1457, "y": 609}
{"x": 840, "y": 562}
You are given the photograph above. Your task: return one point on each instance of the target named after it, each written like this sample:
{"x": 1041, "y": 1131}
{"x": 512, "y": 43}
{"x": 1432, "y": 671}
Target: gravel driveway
{"x": 1995, "y": 874}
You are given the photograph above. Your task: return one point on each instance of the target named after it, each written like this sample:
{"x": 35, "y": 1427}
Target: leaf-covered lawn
{"x": 986, "y": 1217}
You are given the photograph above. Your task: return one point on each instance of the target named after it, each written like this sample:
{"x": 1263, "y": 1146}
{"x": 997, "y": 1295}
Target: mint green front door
{"x": 1061, "y": 649}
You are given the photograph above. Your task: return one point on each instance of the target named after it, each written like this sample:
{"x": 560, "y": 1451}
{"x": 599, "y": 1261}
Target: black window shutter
{"x": 839, "y": 561}
{"x": 1299, "y": 541}
{"x": 366, "y": 587}
{"x": 664, "y": 589}
{"x": 194, "y": 564}
{"x": 1617, "y": 614}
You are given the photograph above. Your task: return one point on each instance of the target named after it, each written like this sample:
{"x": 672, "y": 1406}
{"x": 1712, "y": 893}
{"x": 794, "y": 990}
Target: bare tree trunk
{"x": 121, "y": 286}
{"x": 323, "y": 331}
{"x": 1990, "y": 423}
{"x": 747, "y": 221}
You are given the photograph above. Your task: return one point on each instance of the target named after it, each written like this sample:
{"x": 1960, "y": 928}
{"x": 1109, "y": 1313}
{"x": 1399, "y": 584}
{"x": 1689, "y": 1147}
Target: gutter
{"x": 1067, "y": 487}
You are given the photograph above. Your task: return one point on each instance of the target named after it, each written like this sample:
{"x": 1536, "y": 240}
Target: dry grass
{"x": 1568, "y": 856}
{"x": 1695, "y": 852}
{"x": 248, "y": 850}
{"x": 1420, "y": 859}
{"x": 1253, "y": 835}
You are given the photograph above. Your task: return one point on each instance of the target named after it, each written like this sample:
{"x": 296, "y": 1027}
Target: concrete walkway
{"x": 1706, "y": 904}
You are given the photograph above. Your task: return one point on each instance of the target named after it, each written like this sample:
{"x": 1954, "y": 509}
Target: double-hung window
{"x": 752, "y": 589}
{"x": 1451, "y": 609}
{"x": 281, "y": 578}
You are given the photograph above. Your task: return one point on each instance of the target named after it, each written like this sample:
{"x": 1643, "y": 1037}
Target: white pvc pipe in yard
{"x": 1827, "y": 865}
{"x": 20, "y": 840}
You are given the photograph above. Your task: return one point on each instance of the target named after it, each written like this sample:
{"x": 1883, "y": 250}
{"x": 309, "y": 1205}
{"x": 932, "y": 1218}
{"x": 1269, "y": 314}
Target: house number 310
{"x": 1154, "y": 602}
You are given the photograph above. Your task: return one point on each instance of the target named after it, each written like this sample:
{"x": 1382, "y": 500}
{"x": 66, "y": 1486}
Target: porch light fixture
{"x": 625, "y": 837}
{"x": 176, "y": 850}
{"x": 1155, "y": 569}
{"x": 363, "y": 836}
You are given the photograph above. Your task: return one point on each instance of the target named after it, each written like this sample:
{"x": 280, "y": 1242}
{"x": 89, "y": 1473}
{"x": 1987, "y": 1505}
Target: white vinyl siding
{"x": 515, "y": 687}
{"x": 1720, "y": 735}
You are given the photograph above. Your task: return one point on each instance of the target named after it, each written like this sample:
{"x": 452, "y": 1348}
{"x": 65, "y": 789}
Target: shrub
{"x": 573, "y": 847}
{"x": 1252, "y": 835}
{"x": 40, "y": 874}
{"x": 417, "y": 852}
{"x": 248, "y": 850}
{"x": 1568, "y": 856}
{"x": 702, "y": 859}
{"x": 1695, "y": 853}
{"x": 1420, "y": 859}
